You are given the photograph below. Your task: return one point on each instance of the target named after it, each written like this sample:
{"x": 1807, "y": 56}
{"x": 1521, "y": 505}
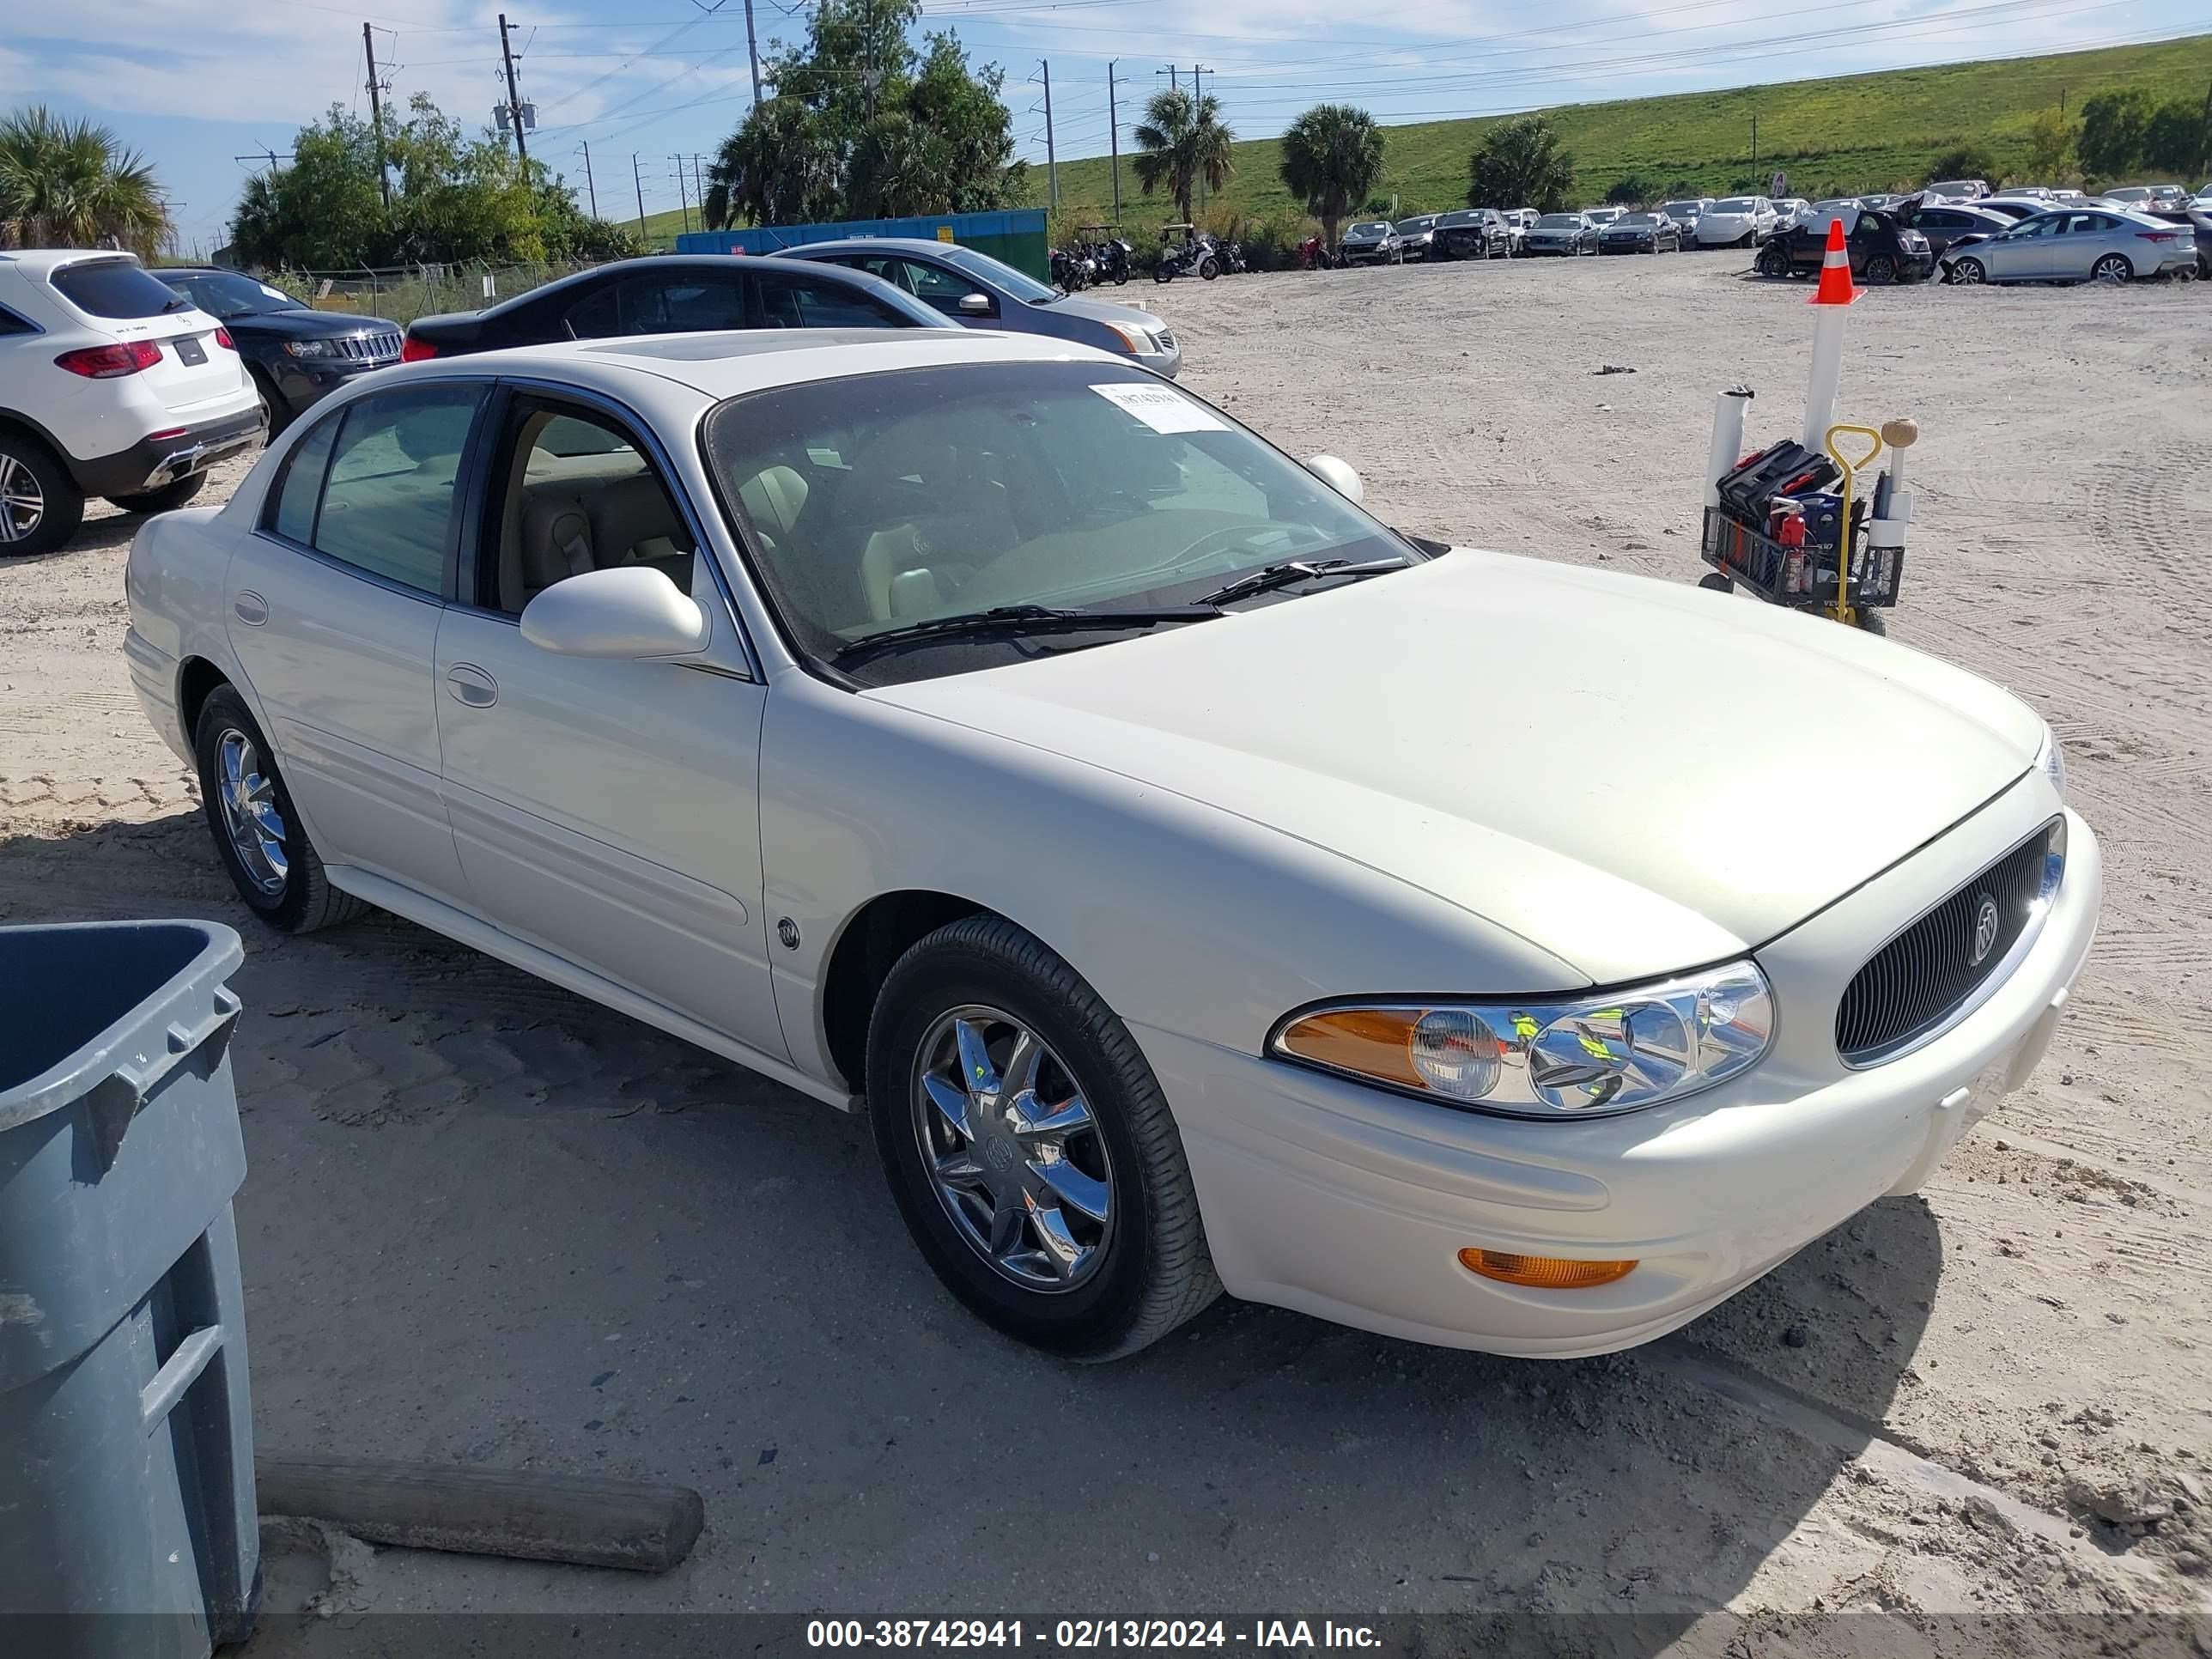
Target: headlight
{"x": 2050, "y": 761}
{"x": 312, "y": 348}
{"x": 1547, "y": 1057}
{"x": 1139, "y": 342}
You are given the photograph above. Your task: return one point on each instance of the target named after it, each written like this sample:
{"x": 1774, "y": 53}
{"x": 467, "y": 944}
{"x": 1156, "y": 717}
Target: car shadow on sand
{"x": 488, "y": 1222}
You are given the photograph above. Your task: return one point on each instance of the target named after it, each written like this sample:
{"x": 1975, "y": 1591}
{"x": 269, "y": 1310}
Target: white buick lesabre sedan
{"x": 1198, "y": 884}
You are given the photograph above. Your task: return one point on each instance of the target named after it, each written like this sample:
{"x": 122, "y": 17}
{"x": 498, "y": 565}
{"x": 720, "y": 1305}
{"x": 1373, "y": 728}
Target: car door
{"x": 936, "y": 286}
{"x": 678, "y": 301}
{"x": 335, "y": 603}
{"x": 2024, "y": 253}
{"x": 606, "y": 811}
{"x": 2078, "y": 240}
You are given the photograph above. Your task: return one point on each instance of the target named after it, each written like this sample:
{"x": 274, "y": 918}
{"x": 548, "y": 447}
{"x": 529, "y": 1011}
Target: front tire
{"x": 1969, "y": 272}
{"x": 1029, "y": 1147}
{"x": 257, "y": 829}
{"x": 40, "y": 506}
{"x": 1209, "y": 269}
{"x": 166, "y": 499}
{"x": 1714, "y": 582}
{"x": 280, "y": 413}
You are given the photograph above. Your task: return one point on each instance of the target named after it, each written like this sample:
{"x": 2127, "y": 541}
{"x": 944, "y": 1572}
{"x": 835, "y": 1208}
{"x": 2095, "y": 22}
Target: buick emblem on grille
{"x": 1985, "y": 930}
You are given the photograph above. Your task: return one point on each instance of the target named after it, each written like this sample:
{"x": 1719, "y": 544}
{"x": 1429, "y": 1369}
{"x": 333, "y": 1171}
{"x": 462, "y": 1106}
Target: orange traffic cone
{"x": 1835, "y": 288}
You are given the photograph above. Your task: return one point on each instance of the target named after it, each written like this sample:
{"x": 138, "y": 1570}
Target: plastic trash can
{"x": 127, "y": 1527}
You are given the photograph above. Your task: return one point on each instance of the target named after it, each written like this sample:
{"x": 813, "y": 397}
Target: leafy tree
{"x": 1332, "y": 158}
{"x": 863, "y": 125}
{"x": 2050, "y": 139}
{"x": 2175, "y": 138}
{"x": 1519, "y": 163}
{"x": 453, "y": 199}
{"x": 1964, "y": 161}
{"x": 1180, "y": 142}
{"x": 68, "y": 183}
{"x": 2113, "y": 126}
{"x": 1631, "y": 191}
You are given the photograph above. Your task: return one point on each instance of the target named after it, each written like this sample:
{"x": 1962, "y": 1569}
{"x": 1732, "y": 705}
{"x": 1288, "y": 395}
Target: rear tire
{"x": 1714, "y": 582}
{"x": 1873, "y": 621}
{"x": 40, "y": 506}
{"x": 1145, "y": 1268}
{"x": 250, "y": 813}
{"x": 1881, "y": 269}
{"x": 1209, "y": 269}
{"x": 2114, "y": 268}
{"x": 167, "y": 498}
{"x": 280, "y": 413}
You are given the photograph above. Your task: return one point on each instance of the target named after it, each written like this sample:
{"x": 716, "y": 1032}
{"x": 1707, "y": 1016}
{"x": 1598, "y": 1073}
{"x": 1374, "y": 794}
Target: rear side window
{"x": 388, "y": 504}
{"x": 118, "y": 290}
{"x": 291, "y": 509}
{"x": 11, "y": 324}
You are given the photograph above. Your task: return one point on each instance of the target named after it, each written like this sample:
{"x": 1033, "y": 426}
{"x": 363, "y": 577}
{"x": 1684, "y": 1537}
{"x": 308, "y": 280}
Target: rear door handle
{"x": 471, "y": 685}
{"x": 250, "y": 608}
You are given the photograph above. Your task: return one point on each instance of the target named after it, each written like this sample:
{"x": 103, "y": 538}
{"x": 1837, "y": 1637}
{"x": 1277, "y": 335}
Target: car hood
{"x": 307, "y": 325}
{"x": 1104, "y": 311}
{"x": 1635, "y": 776}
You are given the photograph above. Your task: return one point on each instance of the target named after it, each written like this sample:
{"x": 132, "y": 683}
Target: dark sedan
{"x": 1472, "y": 233}
{"x": 294, "y": 353}
{"x": 1641, "y": 233}
{"x": 1944, "y": 223}
{"x": 675, "y": 293}
{"x": 1880, "y": 249}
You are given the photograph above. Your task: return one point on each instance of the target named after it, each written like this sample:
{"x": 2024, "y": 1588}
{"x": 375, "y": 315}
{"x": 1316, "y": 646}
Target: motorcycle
{"x": 1232, "y": 259}
{"x": 1314, "y": 255}
{"x": 1113, "y": 257}
{"x": 1071, "y": 271}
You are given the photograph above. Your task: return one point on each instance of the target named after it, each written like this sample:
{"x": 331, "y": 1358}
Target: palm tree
{"x": 1333, "y": 160}
{"x": 67, "y": 182}
{"x": 898, "y": 168}
{"x": 1180, "y": 142}
{"x": 778, "y": 168}
{"x": 1519, "y": 163}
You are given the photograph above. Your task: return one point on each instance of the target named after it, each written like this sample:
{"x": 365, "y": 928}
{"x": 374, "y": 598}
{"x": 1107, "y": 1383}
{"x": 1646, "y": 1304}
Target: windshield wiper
{"x": 1270, "y": 577}
{"x": 1023, "y": 619}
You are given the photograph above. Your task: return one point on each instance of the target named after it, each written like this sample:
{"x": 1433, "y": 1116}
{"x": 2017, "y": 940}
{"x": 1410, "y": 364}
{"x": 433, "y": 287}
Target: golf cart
{"x": 1184, "y": 249}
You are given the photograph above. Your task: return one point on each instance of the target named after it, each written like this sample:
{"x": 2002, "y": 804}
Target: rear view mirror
{"x": 632, "y": 611}
{"x": 976, "y": 305}
{"x": 1338, "y": 476}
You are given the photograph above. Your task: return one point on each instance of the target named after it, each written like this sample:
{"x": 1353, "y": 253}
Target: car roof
{"x": 729, "y": 363}
{"x": 875, "y": 244}
{"x": 38, "y": 263}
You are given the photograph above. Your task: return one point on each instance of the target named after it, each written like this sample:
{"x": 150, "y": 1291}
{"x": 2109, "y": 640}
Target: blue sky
{"x": 659, "y": 78}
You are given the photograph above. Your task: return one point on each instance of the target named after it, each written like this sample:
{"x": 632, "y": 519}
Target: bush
{"x": 1633, "y": 191}
{"x": 1964, "y": 161}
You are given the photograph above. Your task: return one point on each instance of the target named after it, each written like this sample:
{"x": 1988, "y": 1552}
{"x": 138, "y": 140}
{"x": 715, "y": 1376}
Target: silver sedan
{"x": 2076, "y": 245}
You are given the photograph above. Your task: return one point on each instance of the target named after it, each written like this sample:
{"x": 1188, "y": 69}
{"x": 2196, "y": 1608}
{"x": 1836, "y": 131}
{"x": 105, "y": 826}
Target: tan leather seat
{"x": 773, "y": 497}
{"x": 630, "y": 521}
{"x": 556, "y": 543}
{"x": 928, "y": 522}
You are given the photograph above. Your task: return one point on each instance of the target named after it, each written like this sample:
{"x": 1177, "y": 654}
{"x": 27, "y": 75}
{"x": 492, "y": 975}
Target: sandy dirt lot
{"x": 491, "y": 1223}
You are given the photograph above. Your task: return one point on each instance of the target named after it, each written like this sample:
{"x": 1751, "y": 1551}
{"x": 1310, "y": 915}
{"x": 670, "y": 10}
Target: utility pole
{"x": 1051, "y": 161}
{"x": 1754, "y": 140}
{"x": 752, "y": 52}
{"x": 1114, "y": 142}
{"x": 589, "y": 182}
{"x": 636, "y": 179}
{"x": 376, "y": 115}
{"x": 1197, "y": 107}
{"x": 683, "y": 192}
{"x": 514, "y": 96}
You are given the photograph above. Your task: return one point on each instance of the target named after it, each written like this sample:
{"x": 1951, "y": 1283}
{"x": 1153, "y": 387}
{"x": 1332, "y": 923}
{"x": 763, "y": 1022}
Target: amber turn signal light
{"x": 1543, "y": 1273}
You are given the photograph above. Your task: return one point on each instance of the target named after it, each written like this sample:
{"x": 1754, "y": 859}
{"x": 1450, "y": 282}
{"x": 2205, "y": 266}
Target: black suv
{"x": 1880, "y": 250}
{"x": 1472, "y": 233}
{"x": 294, "y": 353}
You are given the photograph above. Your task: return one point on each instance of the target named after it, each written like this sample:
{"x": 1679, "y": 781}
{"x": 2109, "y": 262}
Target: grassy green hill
{"x": 1836, "y": 136}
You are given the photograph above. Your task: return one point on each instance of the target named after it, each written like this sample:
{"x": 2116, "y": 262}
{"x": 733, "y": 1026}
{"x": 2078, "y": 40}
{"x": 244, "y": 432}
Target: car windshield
{"x": 1414, "y": 226}
{"x": 225, "y": 293}
{"x": 1463, "y": 216}
{"x": 1679, "y": 208}
{"x": 1636, "y": 219}
{"x": 871, "y": 503}
{"x": 1736, "y": 205}
{"x": 1369, "y": 228}
{"x": 1560, "y": 221}
{"x": 1020, "y": 284}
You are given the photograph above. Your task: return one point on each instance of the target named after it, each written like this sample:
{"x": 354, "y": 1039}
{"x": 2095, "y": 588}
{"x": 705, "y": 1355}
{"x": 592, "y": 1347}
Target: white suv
{"x": 110, "y": 384}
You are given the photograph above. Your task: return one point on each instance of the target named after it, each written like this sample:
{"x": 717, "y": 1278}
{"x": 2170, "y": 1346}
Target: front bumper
{"x": 1351, "y": 1204}
{"x": 304, "y": 381}
{"x": 153, "y": 462}
{"x": 1539, "y": 249}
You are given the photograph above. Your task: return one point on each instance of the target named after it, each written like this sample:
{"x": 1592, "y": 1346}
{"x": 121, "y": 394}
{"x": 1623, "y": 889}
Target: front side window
{"x": 874, "y": 501}
{"x": 575, "y": 492}
{"x": 795, "y": 302}
{"x": 387, "y": 505}
{"x": 999, "y": 275}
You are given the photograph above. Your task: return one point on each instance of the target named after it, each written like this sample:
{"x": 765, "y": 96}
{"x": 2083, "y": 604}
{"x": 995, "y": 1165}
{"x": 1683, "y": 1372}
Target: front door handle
{"x": 471, "y": 685}
{"x": 250, "y": 608}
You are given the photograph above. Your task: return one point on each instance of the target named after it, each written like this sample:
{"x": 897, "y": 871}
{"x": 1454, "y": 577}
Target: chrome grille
{"x": 1928, "y": 976}
{"x": 382, "y": 347}
{"x": 1167, "y": 339}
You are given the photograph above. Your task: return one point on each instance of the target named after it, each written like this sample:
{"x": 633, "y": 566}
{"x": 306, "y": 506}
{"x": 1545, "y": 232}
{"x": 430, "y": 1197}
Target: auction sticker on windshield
{"x": 1162, "y": 410}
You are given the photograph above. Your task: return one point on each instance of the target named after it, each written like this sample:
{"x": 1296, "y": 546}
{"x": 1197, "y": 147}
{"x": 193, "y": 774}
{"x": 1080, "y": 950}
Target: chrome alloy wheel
{"x": 1012, "y": 1150}
{"x": 22, "y": 503}
{"x": 247, "y": 796}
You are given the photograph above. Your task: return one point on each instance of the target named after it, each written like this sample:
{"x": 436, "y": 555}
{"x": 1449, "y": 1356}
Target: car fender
{"x": 1185, "y": 917}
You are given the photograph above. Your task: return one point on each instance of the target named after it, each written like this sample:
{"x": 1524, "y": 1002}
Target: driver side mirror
{"x": 1338, "y": 476}
{"x": 977, "y": 305}
{"x": 630, "y": 612}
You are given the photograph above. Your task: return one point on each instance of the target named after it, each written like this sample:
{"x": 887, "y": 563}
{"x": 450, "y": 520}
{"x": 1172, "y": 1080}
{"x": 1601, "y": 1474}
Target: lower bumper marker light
{"x": 1543, "y": 1273}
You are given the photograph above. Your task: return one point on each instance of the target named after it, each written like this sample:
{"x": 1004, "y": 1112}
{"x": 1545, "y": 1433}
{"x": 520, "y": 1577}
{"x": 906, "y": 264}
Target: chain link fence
{"x": 402, "y": 295}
